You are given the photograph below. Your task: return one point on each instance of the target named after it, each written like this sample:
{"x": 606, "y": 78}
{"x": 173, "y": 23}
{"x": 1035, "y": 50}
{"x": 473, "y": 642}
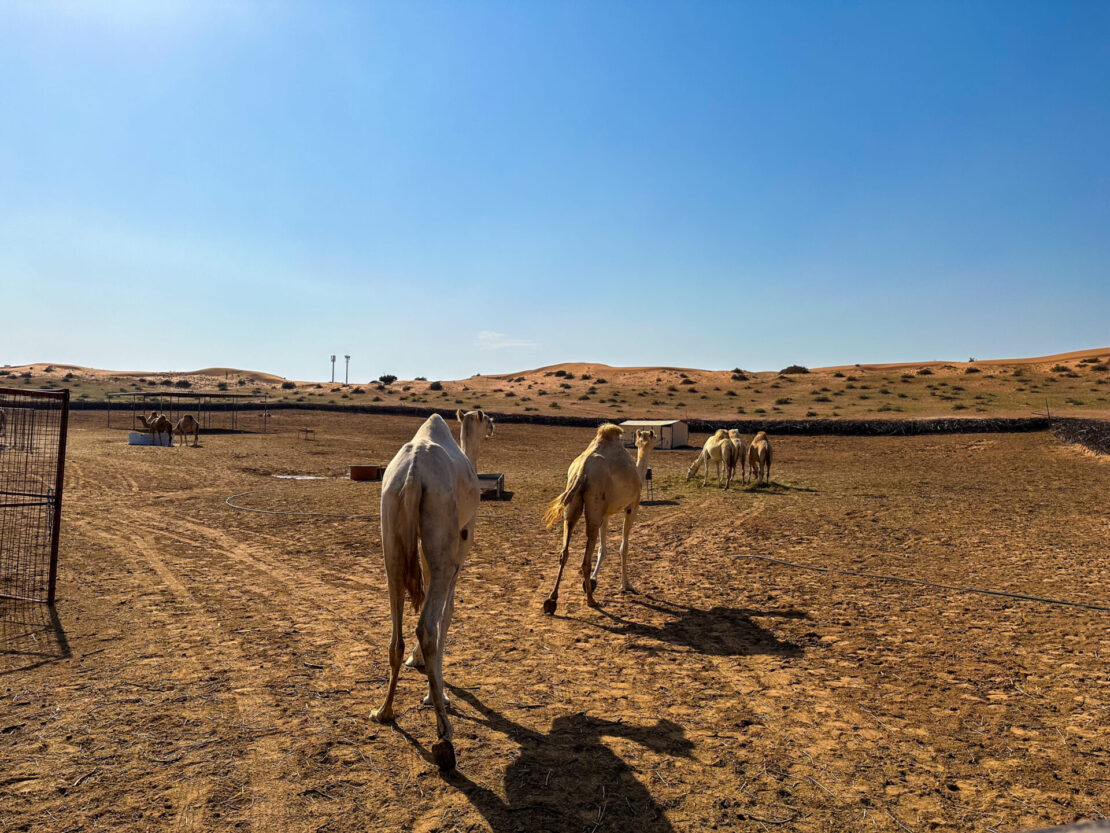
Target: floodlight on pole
{"x": 346, "y": 370}
{"x": 333, "y": 370}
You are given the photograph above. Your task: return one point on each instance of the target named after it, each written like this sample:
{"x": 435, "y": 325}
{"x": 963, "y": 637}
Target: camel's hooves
{"x": 427, "y": 701}
{"x": 549, "y": 606}
{"x": 381, "y": 716}
{"x": 629, "y": 589}
{"x": 591, "y": 601}
{"x": 593, "y": 585}
{"x": 443, "y": 753}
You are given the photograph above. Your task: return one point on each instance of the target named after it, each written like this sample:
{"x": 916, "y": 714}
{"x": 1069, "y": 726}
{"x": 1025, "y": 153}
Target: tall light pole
{"x": 346, "y": 370}
{"x": 333, "y": 370}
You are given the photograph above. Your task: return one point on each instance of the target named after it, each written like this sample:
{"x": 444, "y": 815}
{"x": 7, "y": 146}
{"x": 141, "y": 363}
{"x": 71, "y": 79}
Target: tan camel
{"x": 601, "y": 481}
{"x": 188, "y": 424}
{"x": 759, "y": 458}
{"x": 741, "y": 454}
{"x": 719, "y": 450}
{"x": 645, "y": 444}
{"x": 157, "y": 424}
{"x": 471, "y": 434}
{"x": 429, "y": 500}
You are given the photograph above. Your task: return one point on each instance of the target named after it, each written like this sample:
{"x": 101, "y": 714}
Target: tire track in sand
{"x": 270, "y": 794}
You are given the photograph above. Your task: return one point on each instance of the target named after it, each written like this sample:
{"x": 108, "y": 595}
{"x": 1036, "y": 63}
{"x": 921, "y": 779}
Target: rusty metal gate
{"x": 33, "y": 427}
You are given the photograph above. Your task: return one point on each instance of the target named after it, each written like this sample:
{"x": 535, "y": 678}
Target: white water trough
{"x": 142, "y": 438}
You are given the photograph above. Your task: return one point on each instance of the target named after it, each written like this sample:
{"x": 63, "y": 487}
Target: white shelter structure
{"x": 671, "y": 433}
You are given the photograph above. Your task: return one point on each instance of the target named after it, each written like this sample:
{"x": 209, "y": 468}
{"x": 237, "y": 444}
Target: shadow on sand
{"x": 30, "y": 636}
{"x": 568, "y": 779}
{"x": 717, "y": 631}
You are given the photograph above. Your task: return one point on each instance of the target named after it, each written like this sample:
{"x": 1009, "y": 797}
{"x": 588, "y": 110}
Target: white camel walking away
{"x": 759, "y": 458}
{"x": 741, "y": 454}
{"x": 429, "y": 500}
{"x": 601, "y": 481}
{"x": 720, "y": 450}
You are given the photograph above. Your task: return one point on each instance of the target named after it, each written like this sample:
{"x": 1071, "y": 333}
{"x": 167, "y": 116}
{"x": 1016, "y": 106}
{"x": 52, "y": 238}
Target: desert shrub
{"x": 560, "y": 373}
{"x": 959, "y": 406}
{"x": 972, "y": 370}
{"x": 691, "y": 390}
{"x": 554, "y": 405}
{"x": 783, "y": 400}
{"x": 1089, "y": 360}
{"x": 221, "y": 385}
{"x": 600, "y": 381}
{"x": 686, "y": 381}
{"x": 358, "y": 391}
{"x": 924, "y": 371}
{"x": 1100, "y": 368}
{"x": 69, "y": 376}
{"x": 760, "y": 410}
{"x": 288, "y": 385}
{"x": 564, "y": 386}
{"x": 435, "y": 386}
{"x": 166, "y": 382}
{"x": 822, "y": 399}
{"x": 838, "y": 375}
{"x": 421, "y": 379}
{"x": 672, "y": 388}
{"x": 811, "y": 413}
{"x": 182, "y": 383}
{"x": 387, "y": 378}
{"x": 242, "y": 383}
{"x": 586, "y": 376}
{"x": 583, "y": 397}
{"x": 730, "y": 393}
{"x": 795, "y": 368}
{"x": 1060, "y": 368}
{"x": 739, "y": 377}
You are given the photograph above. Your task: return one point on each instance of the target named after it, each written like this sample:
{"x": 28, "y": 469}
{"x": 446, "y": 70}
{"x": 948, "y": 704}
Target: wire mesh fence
{"x": 32, "y": 468}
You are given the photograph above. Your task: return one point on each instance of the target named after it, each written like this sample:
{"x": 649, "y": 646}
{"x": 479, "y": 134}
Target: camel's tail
{"x": 556, "y": 508}
{"x": 407, "y": 536}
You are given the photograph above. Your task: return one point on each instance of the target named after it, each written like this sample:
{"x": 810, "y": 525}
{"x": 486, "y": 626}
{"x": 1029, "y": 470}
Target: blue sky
{"x": 440, "y": 189}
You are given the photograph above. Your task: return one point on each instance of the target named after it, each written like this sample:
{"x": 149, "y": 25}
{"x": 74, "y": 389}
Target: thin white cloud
{"x": 489, "y": 340}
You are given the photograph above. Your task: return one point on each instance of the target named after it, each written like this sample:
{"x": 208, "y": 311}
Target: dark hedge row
{"x": 836, "y": 427}
{"x": 1089, "y": 433}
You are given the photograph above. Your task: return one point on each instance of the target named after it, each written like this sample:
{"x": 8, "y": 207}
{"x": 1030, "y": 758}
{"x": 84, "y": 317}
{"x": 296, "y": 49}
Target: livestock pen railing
{"x": 33, "y": 425}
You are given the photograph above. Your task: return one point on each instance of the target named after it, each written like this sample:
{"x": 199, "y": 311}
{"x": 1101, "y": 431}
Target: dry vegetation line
{"x": 923, "y": 583}
{"x": 229, "y": 500}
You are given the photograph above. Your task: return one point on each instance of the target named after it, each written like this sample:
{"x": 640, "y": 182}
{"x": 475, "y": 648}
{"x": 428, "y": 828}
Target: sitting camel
{"x": 601, "y": 481}
{"x": 430, "y": 497}
{"x": 741, "y": 454}
{"x": 718, "y": 449}
{"x": 759, "y": 458}
{"x": 188, "y": 425}
{"x": 157, "y": 424}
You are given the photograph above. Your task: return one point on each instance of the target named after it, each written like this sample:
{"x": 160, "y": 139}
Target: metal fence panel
{"x": 33, "y": 426}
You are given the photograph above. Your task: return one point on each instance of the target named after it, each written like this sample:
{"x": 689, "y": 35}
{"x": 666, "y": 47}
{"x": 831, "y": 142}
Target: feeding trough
{"x": 141, "y": 438}
{"x": 491, "y": 486}
{"x": 366, "y": 473}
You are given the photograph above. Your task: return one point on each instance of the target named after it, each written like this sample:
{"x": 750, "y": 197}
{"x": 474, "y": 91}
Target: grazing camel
{"x": 601, "y": 481}
{"x": 188, "y": 425}
{"x": 718, "y": 449}
{"x": 157, "y": 424}
{"x": 430, "y": 497}
{"x": 741, "y": 454}
{"x": 759, "y": 458}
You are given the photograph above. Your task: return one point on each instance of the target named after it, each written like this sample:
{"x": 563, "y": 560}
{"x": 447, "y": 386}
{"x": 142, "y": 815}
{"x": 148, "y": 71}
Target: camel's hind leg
{"x": 571, "y": 514}
{"x": 429, "y": 630}
{"x": 396, "y": 645}
{"x": 604, "y": 551}
{"x": 629, "y": 517}
{"x": 592, "y": 529}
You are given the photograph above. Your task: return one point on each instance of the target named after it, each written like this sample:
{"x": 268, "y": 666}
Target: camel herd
{"x": 726, "y": 450}
{"x": 158, "y": 424}
{"x": 429, "y": 503}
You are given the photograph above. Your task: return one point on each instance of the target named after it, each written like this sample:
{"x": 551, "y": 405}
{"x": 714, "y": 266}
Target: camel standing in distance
{"x": 471, "y": 433}
{"x": 741, "y": 454}
{"x": 429, "y": 500}
{"x": 645, "y": 444}
{"x": 759, "y": 458}
{"x": 188, "y": 425}
{"x": 157, "y": 424}
{"x": 601, "y": 481}
{"x": 720, "y": 450}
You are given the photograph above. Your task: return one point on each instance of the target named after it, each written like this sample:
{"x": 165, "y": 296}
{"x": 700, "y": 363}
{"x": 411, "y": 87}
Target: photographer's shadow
{"x": 568, "y": 779}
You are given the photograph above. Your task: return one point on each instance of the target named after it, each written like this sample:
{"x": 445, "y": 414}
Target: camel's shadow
{"x": 717, "y": 631}
{"x": 30, "y": 636}
{"x": 568, "y": 779}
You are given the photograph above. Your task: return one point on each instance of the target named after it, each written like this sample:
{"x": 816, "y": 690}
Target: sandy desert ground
{"x": 214, "y": 668}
